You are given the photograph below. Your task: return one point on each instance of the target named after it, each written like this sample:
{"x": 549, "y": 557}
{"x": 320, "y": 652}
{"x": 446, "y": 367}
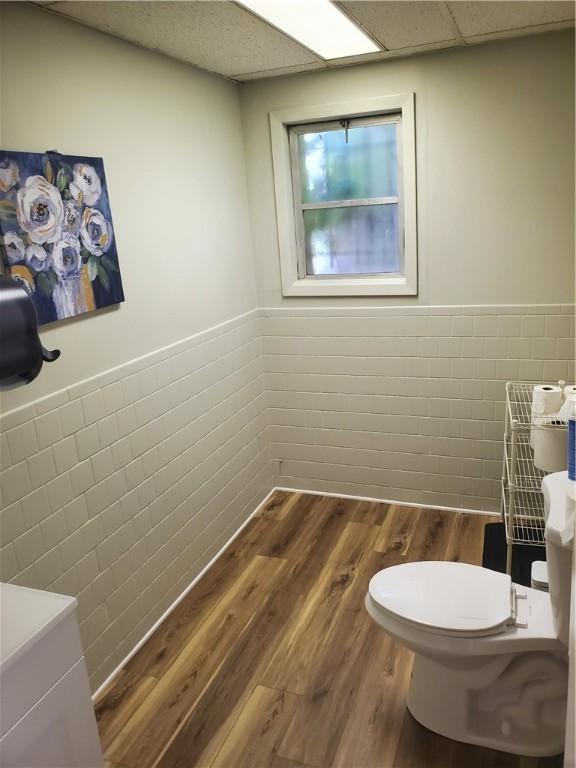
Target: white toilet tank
{"x": 559, "y": 534}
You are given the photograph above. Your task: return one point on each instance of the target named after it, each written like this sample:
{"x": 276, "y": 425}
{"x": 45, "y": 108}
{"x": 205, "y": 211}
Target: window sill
{"x": 353, "y": 286}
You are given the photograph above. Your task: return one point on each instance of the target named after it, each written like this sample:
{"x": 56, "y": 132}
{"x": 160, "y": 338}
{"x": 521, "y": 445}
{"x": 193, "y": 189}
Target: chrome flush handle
{"x": 514, "y": 597}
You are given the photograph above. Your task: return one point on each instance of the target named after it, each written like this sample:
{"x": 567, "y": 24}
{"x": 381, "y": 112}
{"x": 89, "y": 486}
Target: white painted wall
{"x": 172, "y": 145}
{"x": 495, "y": 160}
{"x": 403, "y": 398}
{"x": 120, "y": 489}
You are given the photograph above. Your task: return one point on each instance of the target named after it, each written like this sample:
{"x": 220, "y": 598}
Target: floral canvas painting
{"x": 57, "y": 234}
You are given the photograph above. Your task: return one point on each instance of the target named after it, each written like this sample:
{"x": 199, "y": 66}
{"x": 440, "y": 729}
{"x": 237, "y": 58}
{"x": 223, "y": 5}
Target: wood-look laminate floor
{"x": 272, "y": 661}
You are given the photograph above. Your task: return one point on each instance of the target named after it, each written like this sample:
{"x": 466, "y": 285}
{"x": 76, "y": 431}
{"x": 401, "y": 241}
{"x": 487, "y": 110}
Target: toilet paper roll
{"x": 570, "y": 389}
{"x": 546, "y": 401}
{"x": 568, "y": 406}
{"x": 550, "y": 452}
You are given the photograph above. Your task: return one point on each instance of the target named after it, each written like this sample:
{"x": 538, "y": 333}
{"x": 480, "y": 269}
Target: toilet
{"x": 491, "y": 664}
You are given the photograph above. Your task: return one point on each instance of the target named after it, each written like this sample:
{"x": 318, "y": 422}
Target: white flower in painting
{"x": 37, "y": 258}
{"x": 39, "y": 210}
{"x": 66, "y": 258}
{"x": 96, "y": 232}
{"x": 14, "y": 248}
{"x": 85, "y": 187}
{"x": 9, "y": 175}
{"x": 72, "y": 217}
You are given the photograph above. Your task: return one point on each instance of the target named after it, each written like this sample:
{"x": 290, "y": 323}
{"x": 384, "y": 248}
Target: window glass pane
{"x": 352, "y": 240}
{"x": 331, "y": 169}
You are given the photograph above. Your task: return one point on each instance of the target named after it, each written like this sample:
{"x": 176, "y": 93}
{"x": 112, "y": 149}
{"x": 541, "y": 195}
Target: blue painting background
{"x": 32, "y": 164}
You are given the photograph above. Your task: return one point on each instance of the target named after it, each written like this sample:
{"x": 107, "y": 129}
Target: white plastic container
{"x": 47, "y": 718}
{"x": 539, "y": 575}
{"x": 549, "y": 443}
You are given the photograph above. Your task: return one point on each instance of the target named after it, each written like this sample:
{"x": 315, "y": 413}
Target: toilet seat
{"x": 445, "y": 598}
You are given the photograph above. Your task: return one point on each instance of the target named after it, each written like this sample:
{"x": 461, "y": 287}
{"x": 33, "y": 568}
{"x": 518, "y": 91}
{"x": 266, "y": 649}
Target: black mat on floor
{"x": 523, "y": 555}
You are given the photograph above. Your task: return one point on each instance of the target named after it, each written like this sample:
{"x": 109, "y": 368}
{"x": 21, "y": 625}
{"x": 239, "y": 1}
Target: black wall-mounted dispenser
{"x": 21, "y": 352}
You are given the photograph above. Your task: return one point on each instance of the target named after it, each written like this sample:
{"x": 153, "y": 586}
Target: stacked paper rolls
{"x": 547, "y": 435}
{"x": 569, "y": 402}
{"x": 546, "y": 401}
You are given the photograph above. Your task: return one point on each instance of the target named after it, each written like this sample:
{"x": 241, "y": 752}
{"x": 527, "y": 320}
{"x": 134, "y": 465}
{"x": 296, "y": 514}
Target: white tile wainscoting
{"x": 121, "y": 489}
{"x": 404, "y": 403}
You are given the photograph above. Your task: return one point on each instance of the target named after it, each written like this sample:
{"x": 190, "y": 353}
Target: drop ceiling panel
{"x": 217, "y": 36}
{"x": 395, "y": 53}
{"x": 403, "y": 24}
{"x": 281, "y": 71}
{"x": 481, "y": 17}
{"x": 223, "y": 37}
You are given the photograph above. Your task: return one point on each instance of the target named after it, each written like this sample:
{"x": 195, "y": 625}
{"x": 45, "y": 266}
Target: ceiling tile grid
{"x": 394, "y": 54}
{"x": 482, "y": 17}
{"x": 217, "y": 36}
{"x": 404, "y": 24}
{"x": 225, "y": 38}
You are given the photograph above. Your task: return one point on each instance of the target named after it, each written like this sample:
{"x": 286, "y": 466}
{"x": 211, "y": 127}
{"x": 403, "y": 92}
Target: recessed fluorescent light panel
{"x": 317, "y": 24}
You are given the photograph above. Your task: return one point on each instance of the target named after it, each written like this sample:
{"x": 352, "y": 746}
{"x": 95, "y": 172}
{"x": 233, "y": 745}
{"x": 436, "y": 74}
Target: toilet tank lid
{"x": 559, "y": 503}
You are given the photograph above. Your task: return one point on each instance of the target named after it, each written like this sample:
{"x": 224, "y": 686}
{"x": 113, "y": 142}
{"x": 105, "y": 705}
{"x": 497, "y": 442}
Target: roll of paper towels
{"x": 546, "y": 401}
{"x": 549, "y": 442}
{"x": 568, "y": 406}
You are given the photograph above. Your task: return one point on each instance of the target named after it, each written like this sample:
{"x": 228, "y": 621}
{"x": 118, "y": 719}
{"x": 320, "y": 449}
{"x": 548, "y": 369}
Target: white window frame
{"x": 294, "y": 281}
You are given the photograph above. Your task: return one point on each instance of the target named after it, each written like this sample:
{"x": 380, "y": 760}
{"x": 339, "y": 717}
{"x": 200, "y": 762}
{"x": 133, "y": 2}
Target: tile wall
{"x": 404, "y": 403}
{"x": 120, "y": 489}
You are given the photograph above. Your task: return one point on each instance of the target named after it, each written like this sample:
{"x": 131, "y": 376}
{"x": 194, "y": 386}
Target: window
{"x": 346, "y": 184}
{"x": 345, "y": 194}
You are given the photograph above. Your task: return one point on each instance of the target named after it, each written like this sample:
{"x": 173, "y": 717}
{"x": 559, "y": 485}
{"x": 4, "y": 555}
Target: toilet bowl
{"x": 490, "y": 665}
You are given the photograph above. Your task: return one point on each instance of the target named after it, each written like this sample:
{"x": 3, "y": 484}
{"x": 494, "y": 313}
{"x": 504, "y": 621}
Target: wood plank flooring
{"x": 271, "y": 660}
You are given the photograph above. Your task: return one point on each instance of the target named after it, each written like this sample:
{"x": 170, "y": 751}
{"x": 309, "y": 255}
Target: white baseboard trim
{"x": 388, "y": 501}
{"x": 221, "y": 551}
{"x": 179, "y": 599}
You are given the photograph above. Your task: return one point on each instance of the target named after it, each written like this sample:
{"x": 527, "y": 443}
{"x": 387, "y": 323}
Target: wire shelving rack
{"x": 522, "y": 498}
